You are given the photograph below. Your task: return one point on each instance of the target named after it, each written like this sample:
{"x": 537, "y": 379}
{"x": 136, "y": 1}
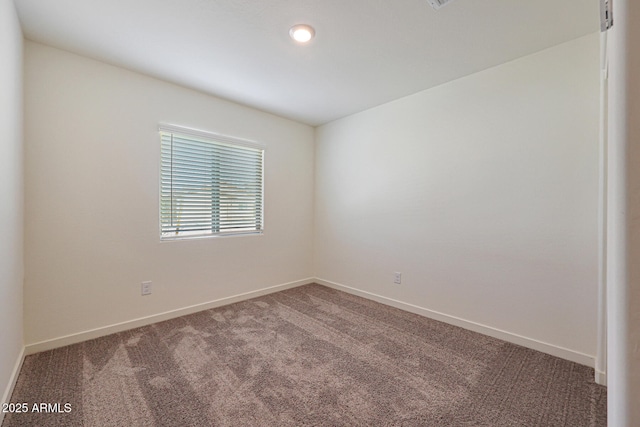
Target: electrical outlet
{"x": 145, "y": 288}
{"x": 397, "y": 278}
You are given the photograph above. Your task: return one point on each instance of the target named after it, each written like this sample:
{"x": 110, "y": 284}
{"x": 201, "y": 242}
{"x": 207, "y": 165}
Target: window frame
{"x": 221, "y": 140}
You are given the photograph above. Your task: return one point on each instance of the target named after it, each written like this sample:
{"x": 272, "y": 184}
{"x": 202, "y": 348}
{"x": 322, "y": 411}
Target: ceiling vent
{"x": 437, "y": 4}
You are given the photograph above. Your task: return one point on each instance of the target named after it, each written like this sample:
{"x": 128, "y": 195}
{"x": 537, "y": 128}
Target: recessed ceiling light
{"x": 302, "y": 33}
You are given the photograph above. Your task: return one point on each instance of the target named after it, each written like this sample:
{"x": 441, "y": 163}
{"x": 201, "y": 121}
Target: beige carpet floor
{"x": 309, "y": 356}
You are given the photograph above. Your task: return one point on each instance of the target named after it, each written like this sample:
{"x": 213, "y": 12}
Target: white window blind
{"x": 209, "y": 184}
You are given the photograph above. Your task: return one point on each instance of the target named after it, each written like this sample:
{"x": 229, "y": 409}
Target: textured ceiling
{"x": 366, "y": 52}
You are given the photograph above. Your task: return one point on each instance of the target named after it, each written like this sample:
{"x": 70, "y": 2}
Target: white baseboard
{"x": 564, "y": 353}
{"x": 601, "y": 378}
{"x": 13, "y": 379}
{"x": 144, "y": 321}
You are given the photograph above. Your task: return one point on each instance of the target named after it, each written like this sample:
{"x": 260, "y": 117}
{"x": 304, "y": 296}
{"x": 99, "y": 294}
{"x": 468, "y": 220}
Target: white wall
{"x": 623, "y": 231}
{"x": 11, "y": 195}
{"x": 482, "y": 192}
{"x": 92, "y": 165}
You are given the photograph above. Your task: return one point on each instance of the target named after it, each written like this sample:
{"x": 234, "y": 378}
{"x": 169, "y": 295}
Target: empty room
{"x": 321, "y": 213}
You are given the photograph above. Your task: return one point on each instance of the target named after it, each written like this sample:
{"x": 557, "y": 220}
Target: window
{"x": 210, "y": 185}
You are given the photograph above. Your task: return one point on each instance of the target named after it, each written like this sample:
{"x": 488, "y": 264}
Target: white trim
{"x": 601, "y": 343}
{"x": 564, "y": 353}
{"x": 162, "y": 127}
{"x": 143, "y": 321}
{"x": 601, "y": 377}
{"x": 13, "y": 379}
